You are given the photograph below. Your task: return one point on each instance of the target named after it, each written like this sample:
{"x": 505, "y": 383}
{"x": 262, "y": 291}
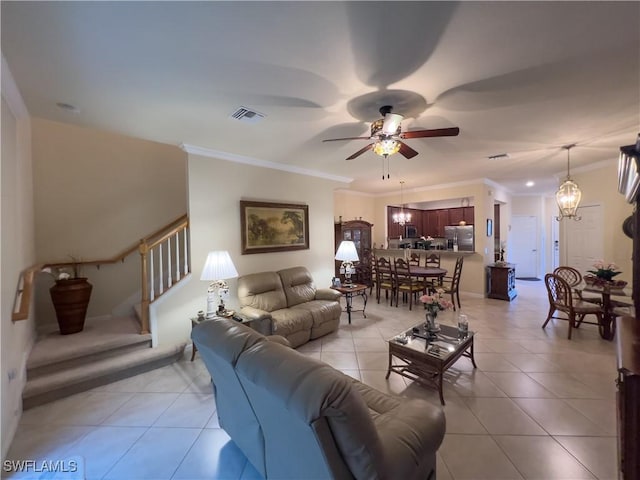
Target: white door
{"x": 524, "y": 245}
{"x": 584, "y": 239}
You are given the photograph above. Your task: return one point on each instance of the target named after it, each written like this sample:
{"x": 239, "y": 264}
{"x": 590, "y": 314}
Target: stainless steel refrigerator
{"x": 461, "y": 236}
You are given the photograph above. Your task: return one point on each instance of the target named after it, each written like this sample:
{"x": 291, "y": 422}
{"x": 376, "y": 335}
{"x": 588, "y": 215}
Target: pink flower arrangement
{"x": 436, "y": 302}
{"x": 604, "y": 270}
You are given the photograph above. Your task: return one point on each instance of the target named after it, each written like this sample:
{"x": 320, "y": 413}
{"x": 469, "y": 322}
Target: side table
{"x": 355, "y": 290}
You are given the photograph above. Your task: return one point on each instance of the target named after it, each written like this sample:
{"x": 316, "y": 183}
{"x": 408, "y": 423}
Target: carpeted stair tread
{"x": 92, "y": 374}
{"x": 98, "y": 336}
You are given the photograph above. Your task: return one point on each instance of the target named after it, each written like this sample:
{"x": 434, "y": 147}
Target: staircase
{"x": 107, "y": 350}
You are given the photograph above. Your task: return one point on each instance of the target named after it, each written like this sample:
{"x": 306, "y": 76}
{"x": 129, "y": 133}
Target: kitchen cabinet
{"x": 456, "y": 215}
{"x": 461, "y": 214}
{"x": 429, "y": 222}
{"x": 442, "y": 217}
{"x": 468, "y": 215}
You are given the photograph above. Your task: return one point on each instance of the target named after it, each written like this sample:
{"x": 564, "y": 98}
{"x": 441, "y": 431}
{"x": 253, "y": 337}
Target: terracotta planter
{"x": 70, "y": 299}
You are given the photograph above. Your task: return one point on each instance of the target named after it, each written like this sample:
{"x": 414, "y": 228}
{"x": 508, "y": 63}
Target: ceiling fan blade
{"x": 407, "y": 151}
{"x": 436, "y": 132}
{"x": 347, "y": 138}
{"x": 391, "y": 123}
{"x": 360, "y": 152}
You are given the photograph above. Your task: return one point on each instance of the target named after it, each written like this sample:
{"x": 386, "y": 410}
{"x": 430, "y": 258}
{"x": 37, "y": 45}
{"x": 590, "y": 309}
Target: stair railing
{"x": 168, "y": 245}
{"x": 164, "y": 258}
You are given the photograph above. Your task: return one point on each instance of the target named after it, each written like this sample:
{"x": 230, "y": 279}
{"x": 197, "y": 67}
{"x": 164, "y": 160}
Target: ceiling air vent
{"x": 247, "y": 115}
{"x": 498, "y": 156}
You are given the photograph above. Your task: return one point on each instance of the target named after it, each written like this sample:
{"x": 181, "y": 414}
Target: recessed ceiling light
{"x": 530, "y": 183}
{"x": 498, "y": 156}
{"x": 68, "y": 107}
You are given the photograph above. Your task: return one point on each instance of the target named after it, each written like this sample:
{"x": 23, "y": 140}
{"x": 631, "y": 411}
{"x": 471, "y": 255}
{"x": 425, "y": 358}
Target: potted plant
{"x": 70, "y": 296}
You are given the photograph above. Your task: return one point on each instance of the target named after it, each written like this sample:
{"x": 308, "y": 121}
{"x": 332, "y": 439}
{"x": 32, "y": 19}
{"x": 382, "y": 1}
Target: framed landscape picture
{"x": 273, "y": 227}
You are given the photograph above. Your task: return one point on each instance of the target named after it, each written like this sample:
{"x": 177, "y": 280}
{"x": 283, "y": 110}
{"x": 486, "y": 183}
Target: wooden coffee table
{"x": 425, "y": 360}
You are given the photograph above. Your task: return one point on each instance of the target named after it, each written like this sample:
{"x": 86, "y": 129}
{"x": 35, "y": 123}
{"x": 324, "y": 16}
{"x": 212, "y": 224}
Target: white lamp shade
{"x": 218, "y": 266}
{"x": 347, "y": 252}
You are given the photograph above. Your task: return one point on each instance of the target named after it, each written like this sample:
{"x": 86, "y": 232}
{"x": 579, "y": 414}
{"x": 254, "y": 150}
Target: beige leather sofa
{"x": 298, "y": 310}
{"x": 295, "y": 417}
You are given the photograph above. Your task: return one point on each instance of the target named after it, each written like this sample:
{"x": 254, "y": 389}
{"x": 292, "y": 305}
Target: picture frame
{"x": 273, "y": 227}
{"x": 336, "y": 283}
{"x": 489, "y": 227}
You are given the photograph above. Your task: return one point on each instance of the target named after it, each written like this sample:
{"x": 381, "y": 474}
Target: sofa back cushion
{"x": 298, "y": 285}
{"x": 220, "y": 342}
{"x": 262, "y": 290}
{"x": 315, "y": 423}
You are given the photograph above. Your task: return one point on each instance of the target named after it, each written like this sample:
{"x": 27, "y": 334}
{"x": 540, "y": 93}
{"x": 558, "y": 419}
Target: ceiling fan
{"x": 386, "y": 135}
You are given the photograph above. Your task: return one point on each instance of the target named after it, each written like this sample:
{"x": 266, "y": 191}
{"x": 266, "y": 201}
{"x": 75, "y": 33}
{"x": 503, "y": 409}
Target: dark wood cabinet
{"x": 502, "y": 282}
{"x": 468, "y": 215}
{"x": 359, "y": 232}
{"x": 456, "y": 215}
{"x": 628, "y": 397}
{"x": 442, "y": 218}
{"x": 429, "y": 222}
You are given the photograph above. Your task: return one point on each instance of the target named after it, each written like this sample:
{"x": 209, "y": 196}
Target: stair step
{"x": 54, "y": 386}
{"x": 80, "y": 358}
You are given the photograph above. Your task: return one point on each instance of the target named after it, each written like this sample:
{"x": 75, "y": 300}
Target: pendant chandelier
{"x": 402, "y": 217}
{"x": 568, "y": 195}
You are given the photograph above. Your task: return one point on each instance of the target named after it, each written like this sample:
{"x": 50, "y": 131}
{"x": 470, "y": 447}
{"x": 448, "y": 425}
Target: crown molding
{"x": 11, "y": 93}
{"x": 232, "y": 157}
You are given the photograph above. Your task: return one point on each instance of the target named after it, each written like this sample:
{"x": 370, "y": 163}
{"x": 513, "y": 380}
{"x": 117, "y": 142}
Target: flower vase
{"x": 430, "y": 325}
{"x": 70, "y": 299}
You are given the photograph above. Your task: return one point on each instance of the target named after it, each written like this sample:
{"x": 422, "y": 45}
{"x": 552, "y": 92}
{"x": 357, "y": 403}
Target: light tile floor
{"x": 538, "y": 407}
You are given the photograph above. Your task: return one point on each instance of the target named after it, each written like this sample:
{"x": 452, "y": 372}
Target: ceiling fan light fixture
{"x": 568, "y": 195}
{"x": 386, "y": 147}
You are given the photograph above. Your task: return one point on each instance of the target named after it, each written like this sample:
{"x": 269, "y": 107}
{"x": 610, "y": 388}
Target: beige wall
{"x": 17, "y": 251}
{"x": 215, "y": 190}
{"x": 97, "y": 193}
{"x": 600, "y": 187}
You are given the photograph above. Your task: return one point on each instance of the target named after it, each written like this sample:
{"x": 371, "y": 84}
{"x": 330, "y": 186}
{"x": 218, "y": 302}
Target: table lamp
{"x": 217, "y": 269}
{"x": 348, "y": 254}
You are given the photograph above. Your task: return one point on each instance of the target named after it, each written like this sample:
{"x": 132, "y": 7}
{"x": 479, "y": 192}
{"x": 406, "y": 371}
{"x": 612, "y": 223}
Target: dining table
{"x": 609, "y": 304}
{"x": 426, "y": 273}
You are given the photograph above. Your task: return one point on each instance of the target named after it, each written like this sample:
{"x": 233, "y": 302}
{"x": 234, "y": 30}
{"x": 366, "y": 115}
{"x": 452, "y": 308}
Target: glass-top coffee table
{"x": 425, "y": 357}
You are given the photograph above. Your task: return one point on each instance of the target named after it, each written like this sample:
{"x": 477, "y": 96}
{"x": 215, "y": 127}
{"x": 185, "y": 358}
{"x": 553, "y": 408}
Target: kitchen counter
{"x": 400, "y": 252}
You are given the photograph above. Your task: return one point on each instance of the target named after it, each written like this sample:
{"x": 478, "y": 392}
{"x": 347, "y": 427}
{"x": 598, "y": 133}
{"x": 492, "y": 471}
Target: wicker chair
{"x": 561, "y": 299}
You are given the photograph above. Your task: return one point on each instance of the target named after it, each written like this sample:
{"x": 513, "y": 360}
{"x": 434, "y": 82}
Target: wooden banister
{"x": 144, "y": 246}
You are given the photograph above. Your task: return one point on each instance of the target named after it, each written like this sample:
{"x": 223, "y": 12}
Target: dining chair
{"x": 432, "y": 260}
{"x": 414, "y": 259}
{"x": 561, "y": 299}
{"x": 406, "y": 283}
{"x": 451, "y": 284}
{"x": 574, "y": 278}
{"x": 385, "y": 279}
{"x": 373, "y": 261}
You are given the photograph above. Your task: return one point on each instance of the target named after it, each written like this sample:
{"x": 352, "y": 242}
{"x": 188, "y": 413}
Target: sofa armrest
{"x": 255, "y": 313}
{"x": 327, "y": 294}
{"x": 279, "y": 339}
{"x": 261, "y": 320}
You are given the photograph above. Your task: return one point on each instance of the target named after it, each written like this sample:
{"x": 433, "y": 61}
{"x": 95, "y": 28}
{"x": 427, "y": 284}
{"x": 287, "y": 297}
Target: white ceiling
{"x": 523, "y": 78}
